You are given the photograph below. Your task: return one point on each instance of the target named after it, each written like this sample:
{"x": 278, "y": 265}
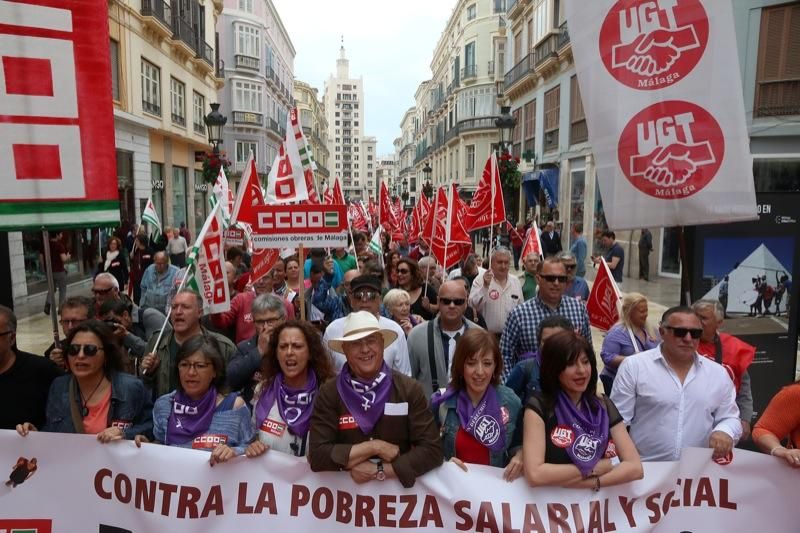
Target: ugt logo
{"x": 650, "y": 44}
{"x": 671, "y": 150}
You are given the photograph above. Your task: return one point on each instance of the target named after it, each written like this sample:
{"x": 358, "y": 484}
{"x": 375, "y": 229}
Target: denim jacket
{"x": 131, "y": 405}
{"x": 447, "y": 412}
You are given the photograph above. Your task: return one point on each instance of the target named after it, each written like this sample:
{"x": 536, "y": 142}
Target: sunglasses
{"x": 365, "y": 295}
{"x": 552, "y": 279}
{"x": 403, "y": 271}
{"x": 570, "y": 267}
{"x": 89, "y": 350}
{"x": 681, "y": 332}
{"x": 102, "y": 291}
{"x": 455, "y": 301}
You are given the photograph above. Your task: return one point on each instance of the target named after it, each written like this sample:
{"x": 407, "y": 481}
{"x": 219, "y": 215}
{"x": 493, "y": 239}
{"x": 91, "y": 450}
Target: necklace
{"x": 85, "y": 400}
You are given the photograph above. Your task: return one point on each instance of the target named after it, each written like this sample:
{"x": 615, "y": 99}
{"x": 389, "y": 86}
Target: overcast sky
{"x": 389, "y": 44}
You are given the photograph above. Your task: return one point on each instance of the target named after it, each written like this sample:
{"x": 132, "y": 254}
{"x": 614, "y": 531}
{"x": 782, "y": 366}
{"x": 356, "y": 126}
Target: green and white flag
{"x": 375, "y": 244}
{"x": 206, "y": 265}
{"x": 151, "y": 217}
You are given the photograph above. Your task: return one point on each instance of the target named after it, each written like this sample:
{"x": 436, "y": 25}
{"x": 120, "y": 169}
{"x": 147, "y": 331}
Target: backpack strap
{"x": 432, "y": 358}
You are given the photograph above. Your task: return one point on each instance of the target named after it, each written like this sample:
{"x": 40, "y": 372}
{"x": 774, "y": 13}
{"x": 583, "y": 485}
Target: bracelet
{"x": 596, "y": 483}
{"x": 772, "y": 451}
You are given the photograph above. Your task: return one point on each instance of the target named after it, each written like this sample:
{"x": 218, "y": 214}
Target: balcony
{"x": 248, "y": 118}
{"x": 563, "y": 36}
{"x": 158, "y": 16}
{"x": 182, "y": 32}
{"x": 178, "y": 120}
{"x": 517, "y": 72}
{"x": 275, "y": 128}
{"x": 248, "y": 62}
{"x": 199, "y": 129}
{"x": 205, "y": 56}
{"x": 483, "y": 123}
{"x": 151, "y": 107}
{"x": 779, "y": 98}
{"x": 469, "y": 72}
{"x": 545, "y": 52}
{"x": 452, "y": 134}
{"x": 322, "y": 171}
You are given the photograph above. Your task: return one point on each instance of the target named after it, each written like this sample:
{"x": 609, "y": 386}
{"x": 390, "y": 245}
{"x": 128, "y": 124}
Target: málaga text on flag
{"x": 150, "y": 216}
{"x": 487, "y": 207}
{"x": 662, "y": 92}
{"x": 206, "y": 265}
{"x": 286, "y": 182}
{"x": 249, "y": 196}
{"x": 603, "y": 299}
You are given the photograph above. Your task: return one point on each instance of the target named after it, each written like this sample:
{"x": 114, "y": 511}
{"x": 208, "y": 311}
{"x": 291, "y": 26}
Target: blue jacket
{"x": 130, "y": 404}
{"x": 449, "y": 428}
{"x": 524, "y": 381}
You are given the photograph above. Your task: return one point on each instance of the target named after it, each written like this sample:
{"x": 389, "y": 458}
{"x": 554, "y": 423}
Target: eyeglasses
{"x": 570, "y": 267}
{"x": 185, "y": 366}
{"x": 89, "y": 350}
{"x": 455, "y": 301}
{"x": 6, "y": 333}
{"x": 365, "y": 295}
{"x": 403, "y": 271}
{"x": 268, "y": 322}
{"x": 552, "y": 279}
{"x": 681, "y": 332}
{"x": 101, "y": 291}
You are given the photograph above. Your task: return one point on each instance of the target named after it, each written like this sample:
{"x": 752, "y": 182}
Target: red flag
{"x": 479, "y": 214}
{"x": 338, "y": 197}
{"x": 248, "y": 196}
{"x": 448, "y": 239}
{"x": 313, "y": 197}
{"x": 327, "y": 195}
{"x": 387, "y": 215}
{"x": 372, "y": 207}
{"x": 532, "y": 244}
{"x": 414, "y": 226}
{"x": 262, "y": 262}
{"x": 356, "y": 216}
{"x": 398, "y": 210}
{"x": 602, "y": 303}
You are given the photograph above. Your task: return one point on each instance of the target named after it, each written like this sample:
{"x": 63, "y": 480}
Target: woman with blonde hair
{"x": 398, "y": 307}
{"x": 631, "y": 334}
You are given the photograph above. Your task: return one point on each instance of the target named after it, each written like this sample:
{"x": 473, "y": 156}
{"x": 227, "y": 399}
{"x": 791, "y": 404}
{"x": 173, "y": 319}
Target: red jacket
{"x": 736, "y": 355}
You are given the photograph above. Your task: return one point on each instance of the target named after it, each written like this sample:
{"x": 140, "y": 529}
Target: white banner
{"x": 662, "y": 93}
{"x": 286, "y": 181}
{"x": 82, "y": 486}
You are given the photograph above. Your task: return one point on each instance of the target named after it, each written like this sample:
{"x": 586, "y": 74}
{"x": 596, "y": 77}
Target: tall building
{"x": 344, "y": 106}
{"x": 405, "y": 152}
{"x": 315, "y": 127}
{"x": 369, "y": 166}
{"x": 456, "y": 108}
{"x": 258, "y": 58}
{"x": 386, "y": 171}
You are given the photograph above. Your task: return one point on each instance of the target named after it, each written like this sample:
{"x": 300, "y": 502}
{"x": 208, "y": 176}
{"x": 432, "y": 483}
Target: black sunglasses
{"x": 403, "y": 271}
{"x": 552, "y": 279}
{"x": 365, "y": 295}
{"x": 89, "y": 350}
{"x": 456, "y": 301}
{"x": 681, "y": 332}
{"x": 102, "y": 291}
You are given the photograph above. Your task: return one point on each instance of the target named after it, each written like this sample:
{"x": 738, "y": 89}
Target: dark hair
{"x": 118, "y": 307}
{"x": 359, "y": 236}
{"x": 113, "y": 357}
{"x": 289, "y": 259}
{"x": 316, "y": 268}
{"x": 474, "y": 342}
{"x": 554, "y": 321}
{"x": 414, "y": 275}
{"x": 578, "y": 228}
{"x": 610, "y": 234}
{"x": 233, "y": 253}
{"x": 73, "y": 302}
{"x": 676, "y": 310}
{"x": 318, "y": 359}
{"x": 114, "y": 239}
{"x": 558, "y": 352}
{"x": 11, "y": 318}
{"x": 373, "y": 268}
{"x": 209, "y": 347}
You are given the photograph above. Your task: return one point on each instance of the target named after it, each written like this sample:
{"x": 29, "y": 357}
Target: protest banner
{"x": 310, "y": 225}
{"x": 81, "y": 485}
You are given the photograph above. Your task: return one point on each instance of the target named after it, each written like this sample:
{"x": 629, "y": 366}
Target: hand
{"x": 746, "y": 429}
{"x": 263, "y": 341}
{"x": 487, "y": 278}
{"x": 514, "y": 468}
{"x": 256, "y": 449}
{"x": 139, "y": 439}
{"x": 24, "y": 429}
{"x": 387, "y": 451}
{"x": 792, "y": 457}
{"x": 406, "y": 325}
{"x": 120, "y": 332}
{"x": 149, "y": 363}
{"x": 426, "y": 303}
{"x": 459, "y": 463}
{"x": 670, "y": 166}
{"x": 220, "y": 454}
{"x": 721, "y": 443}
{"x": 364, "y": 472}
{"x": 602, "y": 467}
{"x": 110, "y": 434}
{"x": 57, "y": 356}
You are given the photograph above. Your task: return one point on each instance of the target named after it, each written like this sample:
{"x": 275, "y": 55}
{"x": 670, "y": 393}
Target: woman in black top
{"x": 573, "y": 438}
{"x": 422, "y": 296}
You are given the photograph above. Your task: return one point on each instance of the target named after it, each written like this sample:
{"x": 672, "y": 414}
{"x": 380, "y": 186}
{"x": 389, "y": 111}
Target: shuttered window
{"x": 578, "y": 132}
{"x": 778, "y": 74}
{"x": 530, "y": 126}
{"x": 552, "y": 110}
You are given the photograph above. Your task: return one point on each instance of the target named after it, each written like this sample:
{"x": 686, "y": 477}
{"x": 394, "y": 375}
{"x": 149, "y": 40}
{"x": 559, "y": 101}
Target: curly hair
{"x": 112, "y": 361}
{"x": 318, "y": 359}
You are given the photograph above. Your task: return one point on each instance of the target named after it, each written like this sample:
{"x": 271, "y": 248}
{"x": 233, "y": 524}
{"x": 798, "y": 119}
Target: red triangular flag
{"x": 479, "y": 214}
{"x": 262, "y": 262}
{"x": 249, "y": 195}
{"x": 387, "y": 215}
{"x": 602, "y": 302}
{"x": 327, "y": 195}
{"x": 532, "y": 244}
{"x": 337, "y": 196}
{"x": 356, "y": 216}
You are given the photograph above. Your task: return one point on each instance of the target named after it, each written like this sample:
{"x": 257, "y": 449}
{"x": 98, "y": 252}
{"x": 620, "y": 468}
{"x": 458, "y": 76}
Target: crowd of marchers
{"x": 397, "y": 366}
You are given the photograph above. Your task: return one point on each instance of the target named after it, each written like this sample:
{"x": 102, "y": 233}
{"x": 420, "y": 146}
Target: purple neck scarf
{"x": 190, "y": 418}
{"x": 484, "y": 422}
{"x": 364, "y": 399}
{"x": 590, "y": 431}
{"x": 294, "y": 405}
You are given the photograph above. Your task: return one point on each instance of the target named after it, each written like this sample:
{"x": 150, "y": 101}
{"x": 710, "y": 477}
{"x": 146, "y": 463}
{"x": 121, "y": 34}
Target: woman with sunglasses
{"x": 96, "y": 397}
{"x": 201, "y": 414}
{"x": 630, "y": 335}
{"x": 294, "y": 368}
{"x": 572, "y": 437}
{"x": 398, "y": 307}
{"x": 421, "y": 294}
{"x": 476, "y": 414}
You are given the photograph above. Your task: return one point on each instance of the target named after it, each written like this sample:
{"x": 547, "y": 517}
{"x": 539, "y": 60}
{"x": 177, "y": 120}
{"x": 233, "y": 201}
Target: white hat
{"x": 360, "y": 324}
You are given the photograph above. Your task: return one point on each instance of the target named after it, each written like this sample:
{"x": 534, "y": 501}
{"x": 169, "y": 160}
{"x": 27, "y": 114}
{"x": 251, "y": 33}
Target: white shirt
{"x": 666, "y": 415}
{"x": 274, "y": 432}
{"x": 456, "y": 272}
{"x": 495, "y": 302}
{"x": 395, "y": 355}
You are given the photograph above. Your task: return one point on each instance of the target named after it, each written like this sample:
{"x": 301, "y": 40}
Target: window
{"x": 114, "y": 50}
{"x": 177, "y": 92}
{"x": 472, "y": 12}
{"x": 246, "y": 6}
{"x": 541, "y": 21}
{"x": 247, "y": 96}
{"x": 469, "y": 160}
{"x": 469, "y": 60}
{"x": 518, "y": 55}
{"x": 516, "y": 135}
{"x": 552, "y": 109}
{"x": 778, "y": 72}
{"x": 499, "y": 6}
{"x": 578, "y": 131}
{"x": 248, "y": 41}
{"x": 243, "y": 149}
{"x": 151, "y": 88}
{"x": 179, "y": 205}
{"x": 530, "y": 126}
{"x": 199, "y": 107}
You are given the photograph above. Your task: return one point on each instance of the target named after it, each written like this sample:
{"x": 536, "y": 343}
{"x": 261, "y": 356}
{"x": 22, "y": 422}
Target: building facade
{"x": 315, "y": 127}
{"x": 405, "y": 153}
{"x": 258, "y": 58}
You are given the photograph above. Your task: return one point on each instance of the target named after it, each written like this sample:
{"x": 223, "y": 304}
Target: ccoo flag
{"x": 206, "y": 265}
{"x": 287, "y": 181}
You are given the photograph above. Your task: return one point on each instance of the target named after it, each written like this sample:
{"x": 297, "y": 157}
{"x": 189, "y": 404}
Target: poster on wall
{"x": 750, "y": 268}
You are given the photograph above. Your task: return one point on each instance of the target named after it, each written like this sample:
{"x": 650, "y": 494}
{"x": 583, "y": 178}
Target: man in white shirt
{"x": 496, "y": 294}
{"x": 672, "y": 398}
{"x": 365, "y": 295}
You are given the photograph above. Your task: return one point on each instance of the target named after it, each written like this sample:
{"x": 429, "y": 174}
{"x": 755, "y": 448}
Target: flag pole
{"x": 447, "y": 228}
{"x": 189, "y": 269}
{"x": 433, "y": 232}
{"x": 301, "y": 292}
{"x": 491, "y": 221}
{"x": 51, "y": 289}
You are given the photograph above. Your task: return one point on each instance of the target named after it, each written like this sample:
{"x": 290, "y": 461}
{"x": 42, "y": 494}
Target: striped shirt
{"x": 495, "y": 302}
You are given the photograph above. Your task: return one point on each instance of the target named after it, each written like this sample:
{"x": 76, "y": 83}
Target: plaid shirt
{"x": 519, "y": 335}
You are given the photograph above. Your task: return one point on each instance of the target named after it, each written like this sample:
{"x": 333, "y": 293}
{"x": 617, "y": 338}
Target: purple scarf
{"x": 365, "y": 400}
{"x": 484, "y": 422}
{"x": 294, "y": 405}
{"x": 590, "y": 431}
{"x": 190, "y": 418}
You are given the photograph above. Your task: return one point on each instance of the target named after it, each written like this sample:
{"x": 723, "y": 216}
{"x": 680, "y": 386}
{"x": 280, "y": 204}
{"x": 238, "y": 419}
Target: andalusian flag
{"x": 151, "y": 217}
{"x": 375, "y": 244}
{"x": 206, "y": 265}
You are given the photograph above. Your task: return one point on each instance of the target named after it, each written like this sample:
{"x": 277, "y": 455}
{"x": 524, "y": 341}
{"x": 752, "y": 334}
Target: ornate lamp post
{"x": 505, "y": 124}
{"x": 215, "y": 122}
{"x": 427, "y": 189}
{"x": 509, "y": 173}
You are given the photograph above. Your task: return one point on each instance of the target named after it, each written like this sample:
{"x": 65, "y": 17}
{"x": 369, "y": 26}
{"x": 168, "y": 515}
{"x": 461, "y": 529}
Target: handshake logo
{"x": 652, "y": 44}
{"x": 671, "y": 150}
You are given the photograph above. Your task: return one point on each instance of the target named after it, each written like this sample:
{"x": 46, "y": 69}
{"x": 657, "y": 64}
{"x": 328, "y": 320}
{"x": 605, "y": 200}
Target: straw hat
{"x": 358, "y": 325}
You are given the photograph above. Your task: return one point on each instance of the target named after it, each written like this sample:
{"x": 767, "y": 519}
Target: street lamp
{"x": 505, "y": 124}
{"x": 215, "y": 121}
{"x": 427, "y": 170}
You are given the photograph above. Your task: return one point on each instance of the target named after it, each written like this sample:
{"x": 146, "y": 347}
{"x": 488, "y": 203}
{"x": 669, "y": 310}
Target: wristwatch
{"x": 380, "y": 475}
